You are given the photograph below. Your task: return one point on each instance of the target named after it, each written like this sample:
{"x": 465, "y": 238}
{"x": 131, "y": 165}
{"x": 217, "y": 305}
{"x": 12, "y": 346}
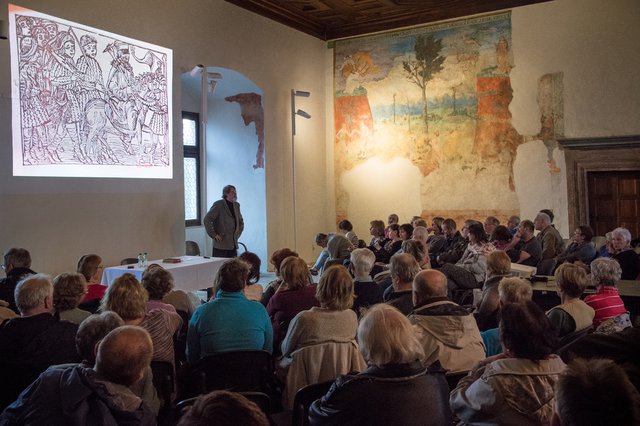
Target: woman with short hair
{"x": 498, "y": 267}
{"x": 158, "y": 282}
{"x": 252, "y": 290}
{"x": 515, "y": 387}
{"x": 127, "y": 298}
{"x": 68, "y": 291}
{"x": 297, "y": 293}
{"x": 605, "y": 274}
{"x": 581, "y": 248}
{"x": 277, "y": 257}
{"x": 333, "y": 320}
{"x": 392, "y": 389}
{"x": 90, "y": 266}
{"x": 229, "y": 322}
{"x": 620, "y": 250}
{"x": 572, "y": 314}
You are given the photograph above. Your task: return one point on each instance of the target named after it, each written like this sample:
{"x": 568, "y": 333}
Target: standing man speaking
{"x": 224, "y": 223}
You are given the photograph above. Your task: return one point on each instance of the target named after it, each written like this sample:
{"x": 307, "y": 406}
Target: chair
{"x": 237, "y": 371}
{"x": 454, "y": 378}
{"x": 319, "y": 363}
{"x": 129, "y": 261}
{"x": 192, "y": 248}
{"x": 567, "y": 340}
{"x": 545, "y": 267}
{"x": 163, "y": 381}
{"x": 303, "y": 400}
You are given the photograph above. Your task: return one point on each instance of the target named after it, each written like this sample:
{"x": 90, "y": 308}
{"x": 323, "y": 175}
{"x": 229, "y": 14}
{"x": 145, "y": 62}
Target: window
{"x": 191, "y": 143}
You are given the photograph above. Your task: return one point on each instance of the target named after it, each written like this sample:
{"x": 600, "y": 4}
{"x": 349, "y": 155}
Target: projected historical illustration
{"x": 87, "y": 102}
{"x": 422, "y": 119}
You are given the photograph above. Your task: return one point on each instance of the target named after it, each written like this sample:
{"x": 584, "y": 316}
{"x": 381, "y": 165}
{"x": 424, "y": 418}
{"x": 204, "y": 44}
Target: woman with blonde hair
{"x": 332, "y": 321}
{"x": 572, "y": 314}
{"x": 68, "y": 290}
{"x": 127, "y": 298}
{"x": 296, "y": 293}
{"x": 393, "y": 385}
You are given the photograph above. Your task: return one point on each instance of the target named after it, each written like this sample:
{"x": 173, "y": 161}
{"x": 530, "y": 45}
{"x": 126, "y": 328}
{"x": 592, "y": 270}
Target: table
{"x": 193, "y": 273}
{"x": 544, "y": 294}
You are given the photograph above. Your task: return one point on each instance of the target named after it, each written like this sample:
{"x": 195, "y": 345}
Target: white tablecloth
{"x": 192, "y": 274}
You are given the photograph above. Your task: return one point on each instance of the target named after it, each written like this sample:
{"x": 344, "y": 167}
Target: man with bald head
{"x": 447, "y": 331}
{"x": 98, "y": 395}
{"x": 402, "y": 269}
{"x": 34, "y": 341}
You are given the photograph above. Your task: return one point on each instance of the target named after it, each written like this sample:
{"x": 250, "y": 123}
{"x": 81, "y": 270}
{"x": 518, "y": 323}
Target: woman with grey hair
{"x": 605, "y": 273}
{"x": 394, "y": 384}
{"x": 622, "y": 252}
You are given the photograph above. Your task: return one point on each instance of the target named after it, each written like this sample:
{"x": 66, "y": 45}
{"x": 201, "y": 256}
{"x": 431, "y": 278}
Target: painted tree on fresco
{"x": 423, "y": 68}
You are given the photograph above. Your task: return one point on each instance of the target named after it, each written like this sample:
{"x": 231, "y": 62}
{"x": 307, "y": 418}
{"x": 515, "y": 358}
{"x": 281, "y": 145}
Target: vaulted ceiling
{"x": 334, "y": 19}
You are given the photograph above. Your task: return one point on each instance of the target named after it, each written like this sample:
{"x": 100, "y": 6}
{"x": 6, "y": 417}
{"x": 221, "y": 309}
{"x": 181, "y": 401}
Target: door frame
{"x": 610, "y": 154}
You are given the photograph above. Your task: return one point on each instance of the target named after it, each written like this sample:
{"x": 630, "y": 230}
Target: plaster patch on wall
{"x": 252, "y": 112}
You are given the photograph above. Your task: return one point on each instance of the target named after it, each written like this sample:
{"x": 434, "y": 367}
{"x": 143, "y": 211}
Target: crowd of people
{"x": 392, "y": 322}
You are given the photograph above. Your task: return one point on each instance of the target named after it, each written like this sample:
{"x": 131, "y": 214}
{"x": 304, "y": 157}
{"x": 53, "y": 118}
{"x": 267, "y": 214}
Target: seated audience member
{"x": 419, "y": 252}
{"x": 86, "y": 396}
{"x": 421, "y": 235}
{"x": 377, "y": 236}
{"x": 276, "y": 260}
{"x": 510, "y": 290}
{"x": 333, "y": 321}
{"x": 34, "y": 341}
{"x": 572, "y": 314}
{"x": 321, "y": 241}
{"x": 223, "y": 408}
{"x": 392, "y": 389}
{"x": 470, "y": 271}
{"x": 607, "y": 304}
{"x": 182, "y": 301}
{"x": 296, "y": 294}
{"x": 451, "y": 234}
{"x": 517, "y": 386}
{"x": 90, "y": 266}
{"x": 581, "y": 248}
{"x": 498, "y": 267}
{"x": 490, "y": 225}
{"x": 525, "y": 248}
{"x": 606, "y": 247}
{"x": 158, "y": 282}
{"x": 230, "y": 322}
{"x": 17, "y": 262}
{"x": 68, "y": 290}
{"x": 512, "y": 224}
{"x": 366, "y": 291}
{"x": 550, "y": 240}
{"x": 455, "y": 252}
{"x": 406, "y": 231}
{"x": 391, "y": 220}
{"x": 583, "y": 383}
{"x": 500, "y": 237}
{"x": 127, "y": 298}
{"x": 437, "y": 239}
{"x": 621, "y": 347}
{"x": 446, "y": 331}
{"x": 402, "y": 270}
{"x": 90, "y": 332}
{"x": 418, "y": 221}
{"x": 622, "y": 252}
{"x": 345, "y": 228}
{"x": 339, "y": 249}
{"x": 391, "y": 246}
{"x": 253, "y": 290}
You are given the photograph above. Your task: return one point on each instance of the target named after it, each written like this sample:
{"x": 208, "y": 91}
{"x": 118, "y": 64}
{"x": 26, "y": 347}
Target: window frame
{"x": 194, "y": 152}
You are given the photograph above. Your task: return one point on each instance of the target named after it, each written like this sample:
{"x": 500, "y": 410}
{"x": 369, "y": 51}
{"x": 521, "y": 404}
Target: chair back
{"x": 567, "y": 340}
{"x": 303, "y": 400}
{"x": 319, "y": 363}
{"x": 192, "y": 248}
{"x": 454, "y": 378}
{"x": 545, "y": 267}
{"x": 236, "y": 371}
{"x": 163, "y": 381}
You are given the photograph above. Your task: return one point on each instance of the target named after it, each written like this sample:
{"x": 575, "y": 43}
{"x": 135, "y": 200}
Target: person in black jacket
{"x": 17, "y": 262}
{"x": 395, "y": 389}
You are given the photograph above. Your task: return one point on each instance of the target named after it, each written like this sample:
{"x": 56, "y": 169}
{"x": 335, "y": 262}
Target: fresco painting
{"x": 438, "y": 96}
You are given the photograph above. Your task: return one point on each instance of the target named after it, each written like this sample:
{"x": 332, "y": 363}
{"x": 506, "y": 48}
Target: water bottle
{"x": 144, "y": 260}
{"x": 140, "y": 260}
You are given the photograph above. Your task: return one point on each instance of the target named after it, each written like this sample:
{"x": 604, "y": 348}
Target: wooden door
{"x": 614, "y": 200}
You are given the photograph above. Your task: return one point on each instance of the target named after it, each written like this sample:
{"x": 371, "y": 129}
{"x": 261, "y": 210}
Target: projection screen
{"x": 86, "y": 102}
